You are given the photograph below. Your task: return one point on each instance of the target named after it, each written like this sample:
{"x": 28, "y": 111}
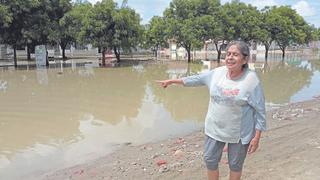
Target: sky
{"x": 308, "y": 9}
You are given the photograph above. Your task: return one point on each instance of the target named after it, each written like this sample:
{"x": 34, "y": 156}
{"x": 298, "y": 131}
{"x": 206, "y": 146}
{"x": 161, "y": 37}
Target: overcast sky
{"x": 309, "y": 9}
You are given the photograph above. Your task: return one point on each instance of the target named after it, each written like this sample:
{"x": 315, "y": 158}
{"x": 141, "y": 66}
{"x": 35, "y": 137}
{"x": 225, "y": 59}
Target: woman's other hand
{"x": 253, "y": 146}
{"x": 254, "y": 143}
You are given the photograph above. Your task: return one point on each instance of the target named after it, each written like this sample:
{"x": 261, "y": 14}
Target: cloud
{"x": 258, "y": 3}
{"x": 93, "y": 1}
{"x": 147, "y": 9}
{"x": 304, "y": 9}
{"x": 261, "y": 4}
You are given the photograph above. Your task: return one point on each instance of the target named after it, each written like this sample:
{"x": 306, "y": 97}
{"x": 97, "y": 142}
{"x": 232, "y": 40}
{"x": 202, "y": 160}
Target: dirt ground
{"x": 289, "y": 150}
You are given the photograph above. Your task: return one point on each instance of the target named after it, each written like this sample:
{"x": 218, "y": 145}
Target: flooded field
{"x": 70, "y": 113}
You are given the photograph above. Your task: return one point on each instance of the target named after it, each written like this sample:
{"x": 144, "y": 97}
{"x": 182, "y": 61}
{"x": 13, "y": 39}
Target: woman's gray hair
{"x": 243, "y": 48}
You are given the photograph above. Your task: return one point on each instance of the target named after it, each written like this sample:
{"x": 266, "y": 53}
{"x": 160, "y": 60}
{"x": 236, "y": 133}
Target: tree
{"x": 268, "y": 28}
{"x": 110, "y": 27}
{"x": 183, "y": 24}
{"x": 313, "y": 33}
{"x": 5, "y": 17}
{"x": 155, "y": 34}
{"x": 211, "y": 23}
{"x": 208, "y": 12}
{"x": 70, "y": 24}
{"x": 5, "y": 20}
{"x": 60, "y": 24}
{"x": 36, "y": 26}
{"x": 126, "y": 31}
{"x": 98, "y": 26}
{"x": 222, "y": 24}
{"x": 12, "y": 33}
{"x": 243, "y": 20}
{"x": 42, "y": 22}
{"x": 291, "y": 28}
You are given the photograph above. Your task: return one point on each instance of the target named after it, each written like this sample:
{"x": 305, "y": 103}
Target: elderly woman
{"x": 236, "y": 112}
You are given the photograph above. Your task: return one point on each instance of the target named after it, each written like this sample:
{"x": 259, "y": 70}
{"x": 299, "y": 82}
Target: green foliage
{"x": 127, "y": 29}
{"x": 5, "y": 20}
{"x": 288, "y": 27}
{"x": 98, "y": 24}
{"x": 241, "y": 21}
{"x": 184, "y": 22}
{"x": 109, "y": 27}
{"x": 69, "y": 26}
{"x": 5, "y": 16}
{"x": 32, "y": 21}
{"x": 155, "y": 34}
{"x": 317, "y": 34}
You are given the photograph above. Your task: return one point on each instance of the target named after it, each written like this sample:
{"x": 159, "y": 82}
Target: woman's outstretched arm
{"x": 166, "y": 83}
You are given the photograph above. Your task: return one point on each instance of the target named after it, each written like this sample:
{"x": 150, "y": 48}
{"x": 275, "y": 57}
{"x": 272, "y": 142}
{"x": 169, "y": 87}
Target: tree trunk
{"x": 63, "y": 52}
{"x": 47, "y": 57}
{"x": 219, "y": 55}
{"x": 103, "y": 57}
{"x": 28, "y": 52}
{"x": 15, "y": 56}
{"x": 283, "y": 52}
{"x": 218, "y": 51}
{"x": 266, "y": 53}
{"x": 156, "y": 53}
{"x": 117, "y": 53}
{"x": 189, "y": 54}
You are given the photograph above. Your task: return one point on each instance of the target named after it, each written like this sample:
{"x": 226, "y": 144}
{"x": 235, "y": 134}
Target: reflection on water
{"x": 68, "y": 114}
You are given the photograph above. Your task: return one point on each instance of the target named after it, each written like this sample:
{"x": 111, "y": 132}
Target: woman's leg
{"x": 212, "y": 156}
{"x": 213, "y": 174}
{"x": 237, "y": 153}
{"x": 235, "y": 175}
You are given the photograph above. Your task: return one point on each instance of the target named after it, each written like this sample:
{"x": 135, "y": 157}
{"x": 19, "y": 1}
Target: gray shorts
{"x": 237, "y": 153}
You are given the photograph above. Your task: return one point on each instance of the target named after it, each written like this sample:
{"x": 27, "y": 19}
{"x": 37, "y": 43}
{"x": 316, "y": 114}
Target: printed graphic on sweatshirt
{"x": 225, "y": 96}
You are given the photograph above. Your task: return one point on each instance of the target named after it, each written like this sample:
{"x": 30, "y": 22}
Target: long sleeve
{"x": 197, "y": 80}
{"x": 257, "y": 101}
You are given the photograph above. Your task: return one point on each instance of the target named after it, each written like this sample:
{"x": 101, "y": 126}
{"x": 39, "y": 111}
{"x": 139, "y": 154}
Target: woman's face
{"x": 234, "y": 59}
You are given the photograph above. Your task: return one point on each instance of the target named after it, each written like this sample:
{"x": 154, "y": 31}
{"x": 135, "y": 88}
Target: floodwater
{"x": 68, "y": 114}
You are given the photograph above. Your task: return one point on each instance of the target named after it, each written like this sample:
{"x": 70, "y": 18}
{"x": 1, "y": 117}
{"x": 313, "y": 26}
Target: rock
{"x": 197, "y": 153}
{"x": 179, "y": 141}
{"x": 161, "y": 162}
{"x": 175, "y": 165}
{"x": 155, "y": 156}
{"x": 81, "y": 172}
{"x": 179, "y": 153}
{"x": 287, "y": 118}
{"x": 163, "y": 169}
